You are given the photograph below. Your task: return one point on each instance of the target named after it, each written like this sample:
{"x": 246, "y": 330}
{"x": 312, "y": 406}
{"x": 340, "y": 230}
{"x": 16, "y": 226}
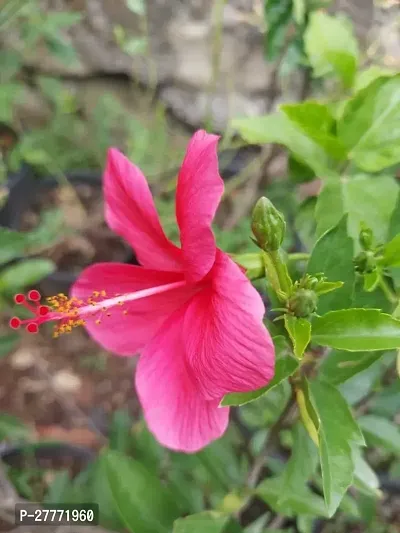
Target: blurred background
{"x": 78, "y": 76}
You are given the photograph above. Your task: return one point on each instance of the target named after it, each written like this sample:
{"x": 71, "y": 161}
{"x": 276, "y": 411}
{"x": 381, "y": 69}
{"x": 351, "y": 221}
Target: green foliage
{"x": 8, "y": 343}
{"x": 362, "y": 199}
{"x": 369, "y": 125}
{"x": 381, "y": 431}
{"x": 285, "y": 367}
{"x": 278, "y": 128}
{"x": 336, "y": 331}
{"x": 207, "y": 521}
{"x": 316, "y": 121}
{"x": 339, "y": 366}
{"x": 333, "y": 255}
{"x": 303, "y": 502}
{"x": 14, "y": 278}
{"x": 334, "y": 446}
{"x": 299, "y": 330}
{"x": 356, "y": 330}
{"x": 301, "y": 465}
{"x": 391, "y": 254}
{"x": 142, "y": 502}
{"x": 278, "y": 15}
{"x": 12, "y": 428}
{"x": 331, "y": 47}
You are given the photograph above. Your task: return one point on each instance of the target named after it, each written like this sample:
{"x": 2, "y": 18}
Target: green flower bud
{"x": 365, "y": 262}
{"x": 366, "y": 238}
{"x": 268, "y": 225}
{"x": 303, "y": 303}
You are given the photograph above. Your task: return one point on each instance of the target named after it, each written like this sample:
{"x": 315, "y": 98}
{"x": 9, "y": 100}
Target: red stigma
{"x": 19, "y": 299}
{"x": 15, "y": 322}
{"x": 39, "y": 311}
{"x": 34, "y": 296}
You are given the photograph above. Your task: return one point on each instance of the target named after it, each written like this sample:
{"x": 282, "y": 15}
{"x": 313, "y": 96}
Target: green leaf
{"x": 357, "y": 330}
{"x": 299, "y": 330}
{"x": 121, "y": 431}
{"x": 10, "y": 64}
{"x": 370, "y": 300}
{"x": 370, "y": 127}
{"x": 99, "y": 490}
{"x": 209, "y": 521}
{"x": 252, "y": 262}
{"x": 365, "y": 199}
{"x": 337, "y": 430}
{"x": 326, "y": 287}
{"x": 278, "y": 128}
{"x": 9, "y": 95}
{"x": 301, "y": 465}
{"x": 8, "y": 343}
{"x": 12, "y": 245}
{"x": 394, "y": 226}
{"x": 370, "y": 74}
{"x": 337, "y": 367}
{"x": 391, "y": 255}
{"x": 299, "y": 11}
{"x": 61, "y": 49}
{"x": 331, "y": 47}
{"x": 135, "y": 46}
{"x": 381, "y": 432}
{"x": 59, "y": 488}
{"x": 11, "y": 428}
{"x": 307, "y": 412}
{"x": 317, "y": 122}
{"x": 299, "y": 502}
{"x": 278, "y": 14}
{"x": 143, "y": 502}
{"x": 56, "y": 20}
{"x": 137, "y": 6}
{"x": 25, "y": 274}
{"x": 284, "y": 367}
{"x": 371, "y": 280}
{"x": 333, "y": 256}
{"x": 365, "y": 478}
{"x": 387, "y": 402}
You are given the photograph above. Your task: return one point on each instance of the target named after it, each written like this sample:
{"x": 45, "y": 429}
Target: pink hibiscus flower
{"x": 190, "y": 312}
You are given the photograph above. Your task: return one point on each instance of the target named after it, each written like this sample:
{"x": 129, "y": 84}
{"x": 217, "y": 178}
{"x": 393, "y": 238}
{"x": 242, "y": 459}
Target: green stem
{"x": 285, "y": 283}
{"x": 298, "y": 257}
{"x": 390, "y": 295}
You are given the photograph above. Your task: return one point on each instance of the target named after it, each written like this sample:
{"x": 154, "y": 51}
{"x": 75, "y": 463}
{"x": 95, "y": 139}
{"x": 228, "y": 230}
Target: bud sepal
{"x": 268, "y": 225}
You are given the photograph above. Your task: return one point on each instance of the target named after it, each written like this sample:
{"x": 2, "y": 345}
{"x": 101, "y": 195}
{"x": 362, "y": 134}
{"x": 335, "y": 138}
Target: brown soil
{"x": 65, "y": 389}
{"x": 84, "y": 235}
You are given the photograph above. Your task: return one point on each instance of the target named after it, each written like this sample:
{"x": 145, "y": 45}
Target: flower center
{"x": 73, "y": 312}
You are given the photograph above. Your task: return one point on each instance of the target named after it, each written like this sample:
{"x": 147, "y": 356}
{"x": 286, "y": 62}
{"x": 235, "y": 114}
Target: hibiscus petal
{"x": 227, "y": 345}
{"x": 198, "y": 194}
{"x": 175, "y": 410}
{"x": 131, "y": 213}
{"x": 125, "y": 334}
